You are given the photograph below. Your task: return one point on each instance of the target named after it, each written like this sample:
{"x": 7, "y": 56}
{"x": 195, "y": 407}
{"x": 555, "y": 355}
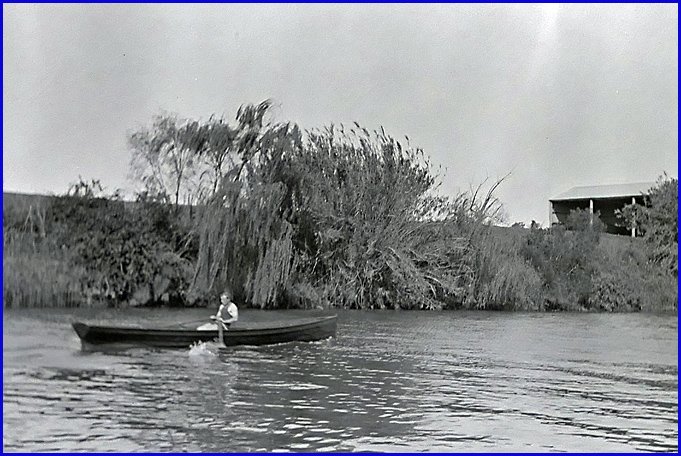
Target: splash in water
{"x": 202, "y": 350}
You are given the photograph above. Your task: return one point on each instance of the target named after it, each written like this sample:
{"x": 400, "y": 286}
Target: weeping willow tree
{"x": 245, "y": 230}
{"x": 335, "y": 217}
{"x": 245, "y": 243}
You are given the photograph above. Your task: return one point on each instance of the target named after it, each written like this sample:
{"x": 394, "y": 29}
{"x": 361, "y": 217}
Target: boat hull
{"x": 305, "y": 330}
{"x": 302, "y": 331}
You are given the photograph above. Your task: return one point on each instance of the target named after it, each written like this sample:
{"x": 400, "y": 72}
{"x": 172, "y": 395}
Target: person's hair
{"x": 226, "y": 294}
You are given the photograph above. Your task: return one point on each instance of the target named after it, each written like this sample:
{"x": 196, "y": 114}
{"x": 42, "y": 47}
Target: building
{"x": 604, "y": 199}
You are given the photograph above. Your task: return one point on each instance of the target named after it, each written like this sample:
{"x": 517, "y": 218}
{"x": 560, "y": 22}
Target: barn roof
{"x": 605, "y": 191}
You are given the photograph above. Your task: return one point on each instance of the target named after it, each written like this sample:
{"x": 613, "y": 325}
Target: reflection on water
{"x": 391, "y": 381}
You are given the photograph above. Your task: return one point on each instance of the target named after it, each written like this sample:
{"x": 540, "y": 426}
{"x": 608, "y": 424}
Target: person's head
{"x": 225, "y": 297}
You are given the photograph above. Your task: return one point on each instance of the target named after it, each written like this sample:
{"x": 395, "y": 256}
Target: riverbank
{"x": 518, "y": 269}
{"x": 578, "y": 271}
{"x": 332, "y": 217}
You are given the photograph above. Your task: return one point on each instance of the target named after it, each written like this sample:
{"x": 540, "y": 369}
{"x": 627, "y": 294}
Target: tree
{"x": 178, "y": 160}
{"x": 350, "y": 217}
{"x": 165, "y": 158}
{"x": 220, "y": 143}
{"x": 657, "y": 219}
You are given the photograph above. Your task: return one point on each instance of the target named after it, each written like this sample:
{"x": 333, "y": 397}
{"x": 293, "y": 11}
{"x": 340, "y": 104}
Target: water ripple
{"x": 388, "y": 382}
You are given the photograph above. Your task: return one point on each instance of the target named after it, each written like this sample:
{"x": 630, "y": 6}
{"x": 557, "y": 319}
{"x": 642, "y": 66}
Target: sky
{"x": 556, "y": 95}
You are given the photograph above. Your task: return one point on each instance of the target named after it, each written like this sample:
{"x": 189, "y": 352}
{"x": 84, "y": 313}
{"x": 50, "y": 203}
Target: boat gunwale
{"x": 300, "y": 324}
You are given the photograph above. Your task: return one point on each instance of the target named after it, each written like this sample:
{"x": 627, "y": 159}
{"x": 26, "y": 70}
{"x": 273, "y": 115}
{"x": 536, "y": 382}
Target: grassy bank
{"x": 36, "y": 271}
{"x": 35, "y": 275}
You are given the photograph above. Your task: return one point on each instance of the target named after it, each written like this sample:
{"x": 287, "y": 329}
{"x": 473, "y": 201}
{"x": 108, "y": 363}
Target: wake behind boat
{"x": 301, "y": 329}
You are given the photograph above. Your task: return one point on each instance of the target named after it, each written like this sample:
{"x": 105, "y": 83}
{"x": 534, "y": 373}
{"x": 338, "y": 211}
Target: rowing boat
{"x": 302, "y": 329}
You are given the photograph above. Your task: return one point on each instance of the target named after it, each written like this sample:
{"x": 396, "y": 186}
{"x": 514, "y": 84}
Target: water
{"x": 390, "y": 381}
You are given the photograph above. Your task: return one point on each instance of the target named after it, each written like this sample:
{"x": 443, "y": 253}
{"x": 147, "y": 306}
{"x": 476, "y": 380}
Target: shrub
{"x": 657, "y": 219}
{"x": 504, "y": 280}
{"x": 613, "y": 291}
{"x": 627, "y": 280}
{"x": 124, "y": 248}
{"x": 565, "y": 260}
{"x": 86, "y": 246}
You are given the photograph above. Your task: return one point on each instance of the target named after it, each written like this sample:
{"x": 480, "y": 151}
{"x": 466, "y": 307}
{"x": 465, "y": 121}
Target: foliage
{"x": 627, "y": 281}
{"x": 36, "y": 274}
{"x": 504, "y": 279}
{"x": 91, "y": 189}
{"x": 351, "y": 214}
{"x": 164, "y": 158}
{"x": 324, "y": 217}
{"x": 584, "y": 269}
{"x": 244, "y": 246}
{"x": 183, "y": 161}
{"x": 124, "y": 248}
{"x": 381, "y": 239}
{"x": 633, "y": 216}
{"x": 219, "y": 145}
{"x": 613, "y": 292}
{"x": 662, "y": 229}
{"x": 564, "y": 258}
{"x": 581, "y": 220}
{"x": 90, "y": 245}
{"x": 244, "y": 242}
{"x": 657, "y": 219}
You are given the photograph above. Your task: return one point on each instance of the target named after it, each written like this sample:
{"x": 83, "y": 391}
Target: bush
{"x": 657, "y": 219}
{"x": 85, "y": 246}
{"x": 613, "y": 291}
{"x": 126, "y": 249}
{"x": 504, "y": 280}
{"x": 629, "y": 281}
{"x": 565, "y": 259}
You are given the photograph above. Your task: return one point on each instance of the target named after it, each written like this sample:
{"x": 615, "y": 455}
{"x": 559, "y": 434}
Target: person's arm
{"x": 218, "y": 314}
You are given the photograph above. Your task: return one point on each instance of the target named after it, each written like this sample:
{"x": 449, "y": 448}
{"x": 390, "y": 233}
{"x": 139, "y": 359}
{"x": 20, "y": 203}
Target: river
{"x": 389, "y": 381}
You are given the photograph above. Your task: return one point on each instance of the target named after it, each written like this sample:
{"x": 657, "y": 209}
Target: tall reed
{"x": 349, "y": 218}
{"x": 35, "y": 275}
{"x": 504, "y": 280}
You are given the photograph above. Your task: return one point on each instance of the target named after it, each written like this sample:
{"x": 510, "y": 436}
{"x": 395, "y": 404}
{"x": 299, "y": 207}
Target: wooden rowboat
{"x": 303, "y": 329}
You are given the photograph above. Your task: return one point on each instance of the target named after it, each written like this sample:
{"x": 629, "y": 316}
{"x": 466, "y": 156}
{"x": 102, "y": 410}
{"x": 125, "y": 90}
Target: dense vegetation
{"x": 583, "y": 269}
{"x": 327, "y": 217}
{"x": 89, "y": 246}
{"x": 658, "y": 220}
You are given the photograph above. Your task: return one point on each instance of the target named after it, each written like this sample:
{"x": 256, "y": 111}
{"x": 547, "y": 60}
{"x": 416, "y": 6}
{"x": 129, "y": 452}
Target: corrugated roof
{"x": 605, "y": 191}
